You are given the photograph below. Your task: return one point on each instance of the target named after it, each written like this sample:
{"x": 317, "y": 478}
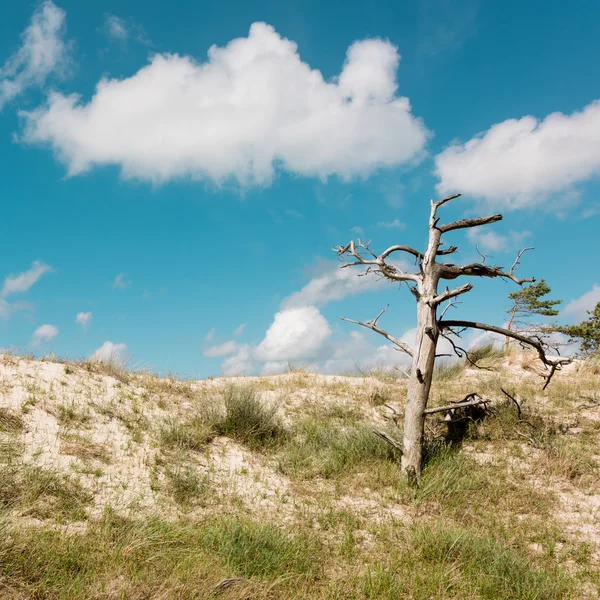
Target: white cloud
{"x": 9, "y": 308}
{"x": 44, "y": 333}
{"x": 577, "y": 309}
{"x": 522, "y": 162}
{"x": 240, "y": 329}
{"x": 240, "y": 363}
{"x": 295, "y": 333}
{"x": 336, "y": 283}
{"x": 43, "y": 51}
{"x": 490, "y": 240}
{"x": 251, "y": 106}
{"x": 120, "y": 281}
{"x": 116, "y": 27}
{"x": 83, "y": 318}
{"x": 395, "y": 224}
{"x": 210, "y": 335}
{"x": 14, "y": 284}
{"x": 274, "y": 368}
{"x": 358, "y": 230}
{"x": 224, "y": 349}
{"x": 110, "y": 353}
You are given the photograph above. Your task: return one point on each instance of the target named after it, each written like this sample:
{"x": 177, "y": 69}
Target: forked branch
{"x": 482, "y": 270}
{"x": 387, "y": 270}
{"x": 449, "y": 294}
{"x": 372, "y": 325}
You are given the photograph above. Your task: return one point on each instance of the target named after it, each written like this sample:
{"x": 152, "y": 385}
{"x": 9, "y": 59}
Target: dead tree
{"x": 424, "y": 286}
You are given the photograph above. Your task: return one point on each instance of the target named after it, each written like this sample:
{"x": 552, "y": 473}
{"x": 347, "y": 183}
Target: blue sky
{"x": 188, "y": 199}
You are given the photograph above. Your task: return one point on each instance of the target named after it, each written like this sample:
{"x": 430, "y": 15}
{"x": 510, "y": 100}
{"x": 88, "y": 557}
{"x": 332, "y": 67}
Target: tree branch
{"x": 448, "y": 294}
{"x": 460, "y": 404}
{"x": 464, "y": 223}
{"x": 553, "y": 362}
{"x": 372, "y": 325}
{"x": 390, "y": 271}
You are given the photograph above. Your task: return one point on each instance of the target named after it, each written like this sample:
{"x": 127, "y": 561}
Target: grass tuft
{"x": 247, "y": 419}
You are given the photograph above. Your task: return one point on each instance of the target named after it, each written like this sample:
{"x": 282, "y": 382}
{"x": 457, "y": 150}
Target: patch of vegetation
{"x": 325, "y": 449}
{"x": 469, "y": 492}
{"x": 261, "y": 550}
{"x": 247, "y": 419}
{"x": 445, "y": 371}
{"x": 154, "y": 558}
{"x": 85, "y": 449}
{"x": 10, "y": 422}
{"x": 42, "y": 493}
{"x": 187, "y": 486}
{"x": 441, "y": 561}
{"x": 191, "y": 434}
{"x": 486, "y": 354}
{"x": 70, "y": 415}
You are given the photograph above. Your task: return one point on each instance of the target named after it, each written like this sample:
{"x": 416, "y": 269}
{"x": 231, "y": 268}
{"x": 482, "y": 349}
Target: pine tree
{"x": 528, "y": 303}
{"x": 587, "y": 333}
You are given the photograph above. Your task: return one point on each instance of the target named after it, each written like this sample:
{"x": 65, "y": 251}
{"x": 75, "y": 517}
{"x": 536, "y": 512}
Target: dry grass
{"x": 277, "y": 488}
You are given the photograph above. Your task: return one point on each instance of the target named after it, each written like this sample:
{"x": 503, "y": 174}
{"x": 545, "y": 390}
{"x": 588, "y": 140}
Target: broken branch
{"x": 372, "y": 325}
{"x": 553, "y": 362}
{"x": 430, "y": 411}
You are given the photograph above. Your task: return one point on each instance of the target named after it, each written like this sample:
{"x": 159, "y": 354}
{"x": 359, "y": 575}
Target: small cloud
{"x": 14, "y": 284}
{"x": 490, "y": 240}
{"x": 83, "y": 318}
{"x": 358, "y": 230}
{"x": 395, "y": 224}
{"x": 110, "y": 353}
{"x": 239, "y": 330}
{"x": 120, "y": 29}
{"x": 210, "y": 335}
{"x": 224, "y": 349}
{"x": 43, "y": 52}
{"x": 116, "y": 27}
{"x": 577, "y": 309}
{"x": 120, "y": 281}
{"x": 295, "y": 333}
{"x": 294, "y": 213}
{"x": 44, "y": 333}
{"x": 240, "y": 363}
{"x": 9, "y": 308}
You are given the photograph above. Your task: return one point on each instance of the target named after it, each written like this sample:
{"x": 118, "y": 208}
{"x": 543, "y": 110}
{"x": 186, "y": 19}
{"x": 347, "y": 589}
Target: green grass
{"x": 42, "y": 493}
{"x": 261, "y": 550}
{"x": 187, "y": 487}
{"x": 442, "y": 562}
{"x": 328, "y": 449}
{"x": 446, "y": 371}
{"x": 247, "y": 419}
{"x": 120, "y": 558}
{"x": 485, "y": 354}
{"x": 70, "y": 415}
{"x": 191, "y": 434}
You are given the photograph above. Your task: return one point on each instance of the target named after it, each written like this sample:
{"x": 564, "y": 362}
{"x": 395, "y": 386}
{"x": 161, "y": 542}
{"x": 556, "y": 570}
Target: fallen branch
{"x": 513, "y": 399}
{"x": 431, "y": 411}
{"x": 390, "y": 440}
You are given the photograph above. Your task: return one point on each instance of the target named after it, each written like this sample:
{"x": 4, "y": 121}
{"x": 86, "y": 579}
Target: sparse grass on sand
{"x": 116, "y": 484}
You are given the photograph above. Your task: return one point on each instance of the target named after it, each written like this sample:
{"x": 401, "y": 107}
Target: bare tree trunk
{"x": 424, "y": 355}
{"x": 418, "y": 390}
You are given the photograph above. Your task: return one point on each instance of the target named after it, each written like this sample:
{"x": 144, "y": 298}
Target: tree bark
{"x": 418, "y": 390}
{"x": 423, "y": 355}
